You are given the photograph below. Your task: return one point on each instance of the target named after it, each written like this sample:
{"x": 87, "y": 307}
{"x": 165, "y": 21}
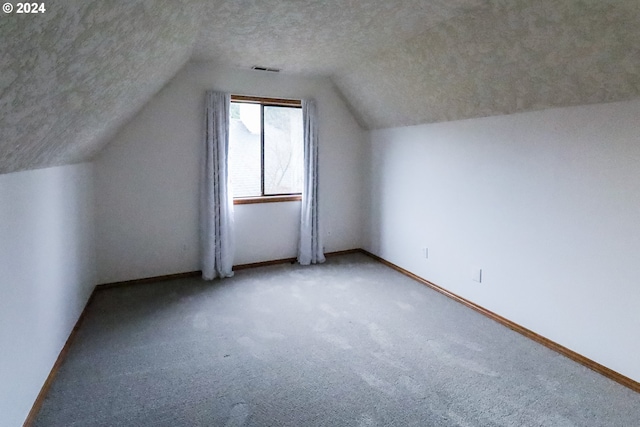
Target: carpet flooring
{"x": 347, "y": 343}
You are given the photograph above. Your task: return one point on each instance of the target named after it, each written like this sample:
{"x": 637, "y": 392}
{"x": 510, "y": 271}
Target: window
{"x": 265, "y": 149}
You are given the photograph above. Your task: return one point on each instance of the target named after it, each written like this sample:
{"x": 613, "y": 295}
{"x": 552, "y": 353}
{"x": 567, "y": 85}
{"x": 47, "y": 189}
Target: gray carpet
{"x": 347, "y": 343}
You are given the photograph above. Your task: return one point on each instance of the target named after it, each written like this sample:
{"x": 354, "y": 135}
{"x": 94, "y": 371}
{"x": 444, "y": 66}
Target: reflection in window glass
{"x": 283, "y": 157}
{"x": 269, "y": 160}
{"x": 244, "y": 149}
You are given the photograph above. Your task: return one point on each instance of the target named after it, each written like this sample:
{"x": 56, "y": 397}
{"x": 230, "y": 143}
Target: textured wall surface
{"x": 71, "y": 77}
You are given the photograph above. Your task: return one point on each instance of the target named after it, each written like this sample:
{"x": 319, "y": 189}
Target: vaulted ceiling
{"x": 72, "y": 76}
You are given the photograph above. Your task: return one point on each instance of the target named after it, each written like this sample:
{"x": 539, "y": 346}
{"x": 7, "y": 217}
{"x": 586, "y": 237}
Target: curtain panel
{"x": 216, "y": 201}
{"x": 310, "y": 249}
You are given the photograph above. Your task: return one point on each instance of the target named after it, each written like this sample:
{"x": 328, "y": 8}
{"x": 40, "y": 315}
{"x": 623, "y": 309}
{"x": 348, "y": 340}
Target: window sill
{"x": 267, "y": 199}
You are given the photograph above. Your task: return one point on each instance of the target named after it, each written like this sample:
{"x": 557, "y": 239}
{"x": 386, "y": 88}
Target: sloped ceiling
{"x": 316, "y": 37}
{"x": 509, "y": 56}
{"x": 71, "y": 77}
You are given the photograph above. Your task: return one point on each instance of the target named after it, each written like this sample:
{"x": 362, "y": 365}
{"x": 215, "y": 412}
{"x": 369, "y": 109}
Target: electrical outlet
{"x": 476, "y": 274}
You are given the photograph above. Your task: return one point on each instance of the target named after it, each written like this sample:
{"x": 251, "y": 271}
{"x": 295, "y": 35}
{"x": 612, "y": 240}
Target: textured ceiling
{"x": 509, "y": 57}
{"x": 71, "y": 77}
{"x": 317, "y": 37}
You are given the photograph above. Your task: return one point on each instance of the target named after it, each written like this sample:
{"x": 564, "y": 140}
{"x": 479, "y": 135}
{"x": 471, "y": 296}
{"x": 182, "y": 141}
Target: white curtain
{"x": 216, "y": 200}
{"x": 310, "y": 247}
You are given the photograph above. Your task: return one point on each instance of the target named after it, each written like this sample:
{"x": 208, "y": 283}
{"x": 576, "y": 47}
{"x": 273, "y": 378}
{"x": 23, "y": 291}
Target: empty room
{"x": 320, "y": 213}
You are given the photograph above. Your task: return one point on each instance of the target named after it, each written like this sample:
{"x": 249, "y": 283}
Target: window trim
{"x": 277, "y": 102}
{"x": 269, "y": 102}
{"x": 267, "y": 199}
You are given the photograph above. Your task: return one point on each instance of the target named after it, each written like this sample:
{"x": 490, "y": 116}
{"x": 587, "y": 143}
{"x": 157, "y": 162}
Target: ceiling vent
{"x": 260, "y": 68}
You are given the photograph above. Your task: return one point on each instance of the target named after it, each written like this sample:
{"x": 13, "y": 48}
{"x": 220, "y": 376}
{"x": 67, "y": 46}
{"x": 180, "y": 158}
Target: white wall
{"x": 546, "y": 203}
{"x": 47, "y": 272}
{"x": 147, "y": 179}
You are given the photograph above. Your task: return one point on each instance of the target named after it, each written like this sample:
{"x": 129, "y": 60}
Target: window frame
{"x": 266, "y": 102}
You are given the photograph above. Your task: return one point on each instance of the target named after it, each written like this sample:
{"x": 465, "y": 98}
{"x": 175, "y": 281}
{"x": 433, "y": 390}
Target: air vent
{"x": 260, "y": 68}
